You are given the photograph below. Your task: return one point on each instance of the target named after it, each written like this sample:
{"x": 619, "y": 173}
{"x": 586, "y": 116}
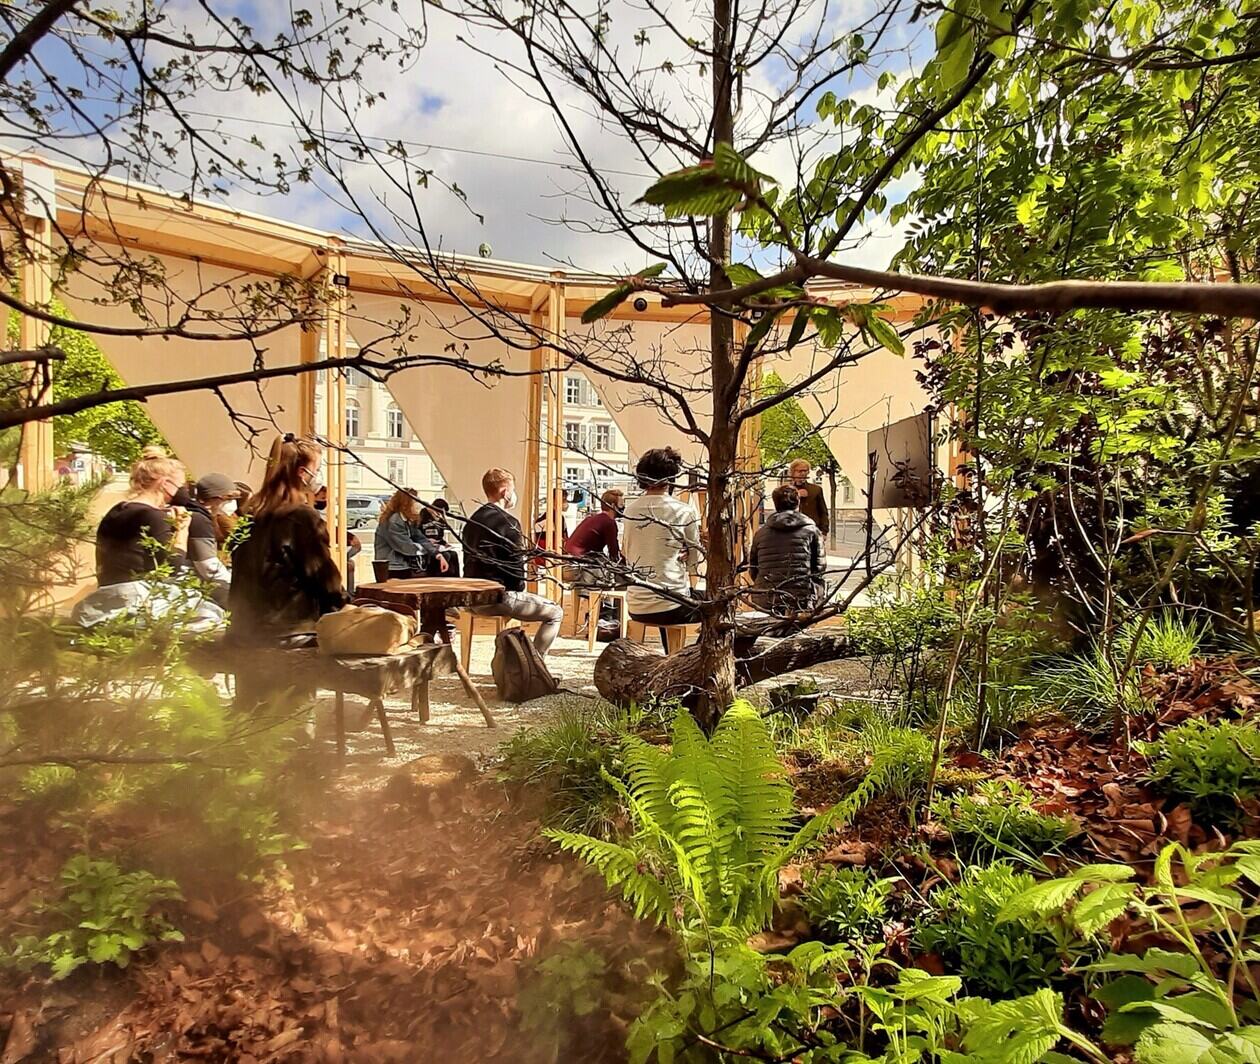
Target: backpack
{"x": 519, "y": 671}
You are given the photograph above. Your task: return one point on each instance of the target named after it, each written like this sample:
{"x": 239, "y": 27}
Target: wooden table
{"x": 430, "y": 597}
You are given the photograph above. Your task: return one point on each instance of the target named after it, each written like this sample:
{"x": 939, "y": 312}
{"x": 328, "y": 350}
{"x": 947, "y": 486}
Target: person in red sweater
{"x": 597, "y": 534}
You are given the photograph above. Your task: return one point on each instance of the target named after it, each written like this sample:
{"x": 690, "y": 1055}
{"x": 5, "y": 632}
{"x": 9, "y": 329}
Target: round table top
{"x": 452, "y": 590}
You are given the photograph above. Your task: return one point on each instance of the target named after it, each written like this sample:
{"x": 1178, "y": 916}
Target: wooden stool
{"x": 594, "y": 600}
{"x": 676, "y": 635}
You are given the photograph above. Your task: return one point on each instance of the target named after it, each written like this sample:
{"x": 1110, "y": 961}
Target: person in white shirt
{"x": 661, "y": 545}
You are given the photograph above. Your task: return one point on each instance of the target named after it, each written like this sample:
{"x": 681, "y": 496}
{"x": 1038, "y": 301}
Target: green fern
{"x": 713, "y": 821}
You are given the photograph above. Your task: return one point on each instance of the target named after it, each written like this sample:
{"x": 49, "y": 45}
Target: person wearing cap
{"x": 220, "y": 496}
{"x": 203, "y": 545}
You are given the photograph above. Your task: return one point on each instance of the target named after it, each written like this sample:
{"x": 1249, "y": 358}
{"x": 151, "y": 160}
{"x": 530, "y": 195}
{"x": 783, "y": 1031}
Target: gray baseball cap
{"x": 217, "y": 486}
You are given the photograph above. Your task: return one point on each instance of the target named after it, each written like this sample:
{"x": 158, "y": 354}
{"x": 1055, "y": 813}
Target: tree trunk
{"x": 632, "y": 672}
{"x": 715, "y": 652}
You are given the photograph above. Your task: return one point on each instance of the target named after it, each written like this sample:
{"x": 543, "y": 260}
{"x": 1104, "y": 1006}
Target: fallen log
{"x": 634, "y": 672}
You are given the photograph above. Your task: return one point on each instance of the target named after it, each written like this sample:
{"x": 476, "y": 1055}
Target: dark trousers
{"x": 452, "y": 564}
{"x": 683, "y": 613}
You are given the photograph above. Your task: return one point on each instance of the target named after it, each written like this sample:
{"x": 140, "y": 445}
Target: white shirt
{"x": 661, "y": 542}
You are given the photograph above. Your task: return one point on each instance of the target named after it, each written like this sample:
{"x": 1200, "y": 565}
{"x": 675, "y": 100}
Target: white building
{"x": 596, "y": 455}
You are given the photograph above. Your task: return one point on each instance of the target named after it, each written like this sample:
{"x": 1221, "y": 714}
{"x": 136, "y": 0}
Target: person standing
{"x": 786, "y": 559}
{"x": 812, "y": 503}
{"x": 661, "y": 545}
{"x": 494, "y": 549}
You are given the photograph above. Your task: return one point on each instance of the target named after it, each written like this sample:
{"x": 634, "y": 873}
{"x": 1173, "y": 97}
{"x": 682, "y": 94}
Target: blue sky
{"x": 485, "y": 136}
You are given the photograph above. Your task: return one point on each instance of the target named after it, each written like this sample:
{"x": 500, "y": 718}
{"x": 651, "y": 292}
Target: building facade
{"x": 596, "y": 456}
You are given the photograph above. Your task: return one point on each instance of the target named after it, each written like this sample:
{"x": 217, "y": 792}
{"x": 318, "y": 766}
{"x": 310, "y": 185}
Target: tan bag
{"x": 364, "y": 630}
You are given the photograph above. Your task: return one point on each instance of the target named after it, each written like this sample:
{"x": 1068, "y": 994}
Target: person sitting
{"x": 597, "y": 535}
{"x": 353, "y": 546}
{"x": 787, "y": 559}
{"x": 203, "y": 542}
{"x": 399, "y": 543}
{"x": 494, "y": 549}
{"x": 661, "y": 545}
{"x": 433, "y": 527}
{"x": 283, "y": 574}
{"x": 220, "y": 497}
{"x": 139, "y": 537}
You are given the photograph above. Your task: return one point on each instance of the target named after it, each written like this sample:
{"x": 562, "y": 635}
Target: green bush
{"x": 1210, "y": 766}
{"x": 1169, "y": 640}
{"x": 568, "y": 757}
{"x": 1004, "y": 959}
{"x": 847, "y": 904}
{"x": 998, "y": 818}
{"x": 713, "y": 825}
{"x": 101, "y": 915}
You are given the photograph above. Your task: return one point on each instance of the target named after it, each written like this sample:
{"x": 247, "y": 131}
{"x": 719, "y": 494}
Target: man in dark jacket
{"x": 787, "y": 558}
{"x": 809, "y": 496}
{"x": 494, "y": 549}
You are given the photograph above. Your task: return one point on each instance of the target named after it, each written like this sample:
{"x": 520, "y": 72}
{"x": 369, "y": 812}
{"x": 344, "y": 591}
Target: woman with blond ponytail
{"x": 136, "y": 538}
{"x": 283, "y": 574}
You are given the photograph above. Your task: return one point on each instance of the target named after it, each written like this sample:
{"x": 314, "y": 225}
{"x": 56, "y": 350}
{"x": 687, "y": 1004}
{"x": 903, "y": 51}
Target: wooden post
{"x": 335, "y": 407}
{"x": 555, "y": 428}
{"x": 534, "y": 425}
{"x": 35, "y": 453}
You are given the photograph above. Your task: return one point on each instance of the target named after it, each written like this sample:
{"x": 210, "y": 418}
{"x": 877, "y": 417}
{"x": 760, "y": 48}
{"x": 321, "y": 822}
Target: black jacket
{"x": 283, "y": 576}
{"x": 494, "y": 547}
{"x": 786, "y": 562}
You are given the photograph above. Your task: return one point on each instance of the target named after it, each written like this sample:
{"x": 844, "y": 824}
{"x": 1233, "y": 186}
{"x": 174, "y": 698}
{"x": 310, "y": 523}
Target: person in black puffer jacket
{"x": 787, "y": 558}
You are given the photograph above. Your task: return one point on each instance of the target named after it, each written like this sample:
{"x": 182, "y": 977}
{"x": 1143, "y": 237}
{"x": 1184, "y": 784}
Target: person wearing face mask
{"x": 283, "y": 574}
{"x": 221, "y": 498}
{"x": 140, "y": 536}
{"x": 353, "y": 546}
{"x": 494, "y": 549}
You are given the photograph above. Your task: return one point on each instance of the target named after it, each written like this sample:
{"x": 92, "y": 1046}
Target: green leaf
{"x": 798, "y": 330}
{"x": 741, "y": 275}
{"x": 601, "y": 308}
{"x": 1174, "y": 1043}
{"x": 882, "y": 331}
{"x": 730, "y": 164}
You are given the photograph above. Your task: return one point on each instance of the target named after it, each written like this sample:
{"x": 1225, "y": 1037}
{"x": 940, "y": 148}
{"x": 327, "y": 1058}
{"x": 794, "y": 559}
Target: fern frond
{"x": 761, "y": 798}
{"x": 621, "y": 868}
{"x": 650, "y": 774}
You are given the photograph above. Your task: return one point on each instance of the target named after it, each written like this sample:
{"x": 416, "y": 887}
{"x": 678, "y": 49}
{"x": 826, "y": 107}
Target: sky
{"x": 519, "y": 190}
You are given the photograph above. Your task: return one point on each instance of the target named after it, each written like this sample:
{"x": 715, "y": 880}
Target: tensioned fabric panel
{"x": 467, "y": 424}
{"x": 678, "y": 353}
{"x": 197, "y": 425}
{"x": 879, "y": 389}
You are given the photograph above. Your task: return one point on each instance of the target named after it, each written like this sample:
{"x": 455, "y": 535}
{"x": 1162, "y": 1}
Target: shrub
{"x": 1169, "y": 640}
{"x": 1004, "y": 959}
{"x": 101, "y": 915}
{"x": 908, "y": 771}
{"x": 568, "y": 757}
{"x": 713, "y": 819}
{"x": 999, "y": 818}
{"x": 847, "y": 904}
{"x": 1210, "y": 766}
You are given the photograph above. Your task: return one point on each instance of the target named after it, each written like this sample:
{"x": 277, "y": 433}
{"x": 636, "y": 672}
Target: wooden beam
{"x": 35, "y": 452}
{"x": 335, "y": 407}
{"x": 555, "y": 426}
{"x": 533, "y": 439}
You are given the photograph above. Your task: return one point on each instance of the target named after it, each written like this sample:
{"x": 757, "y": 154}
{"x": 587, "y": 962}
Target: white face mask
{"x": 228, "y": 508}
{"x": 510, "y": 500}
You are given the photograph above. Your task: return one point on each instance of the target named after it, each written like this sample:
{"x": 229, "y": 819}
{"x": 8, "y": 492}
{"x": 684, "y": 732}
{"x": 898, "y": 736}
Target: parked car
{"x": 362, "y": 510}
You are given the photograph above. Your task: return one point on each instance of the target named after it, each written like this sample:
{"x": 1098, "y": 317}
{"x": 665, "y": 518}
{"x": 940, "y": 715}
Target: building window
{"x": 352, "y": 418}
{"x": 573, "y": 435}
{"x": 396, "y": 471}
{"x": 354, "y": 474}
{"x": 435, "y": 477}
{"x": 846, "y": 490}
{"x": 394, "y": 423}
{"x": 356, "y": 378}
{"x": 573, "y": 390}
{"x": 605, "y": 438}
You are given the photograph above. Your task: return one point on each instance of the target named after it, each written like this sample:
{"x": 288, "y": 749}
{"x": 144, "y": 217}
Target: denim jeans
{"x": 523, "y": 606}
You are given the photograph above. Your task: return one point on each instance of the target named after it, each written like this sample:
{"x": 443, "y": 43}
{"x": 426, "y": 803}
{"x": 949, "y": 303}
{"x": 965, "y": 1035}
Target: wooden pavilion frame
{"x": 149, "y": 221}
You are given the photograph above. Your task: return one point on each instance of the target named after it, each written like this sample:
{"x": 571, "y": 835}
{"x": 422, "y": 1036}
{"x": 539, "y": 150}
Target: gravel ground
{"x": 455, "y": 725}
